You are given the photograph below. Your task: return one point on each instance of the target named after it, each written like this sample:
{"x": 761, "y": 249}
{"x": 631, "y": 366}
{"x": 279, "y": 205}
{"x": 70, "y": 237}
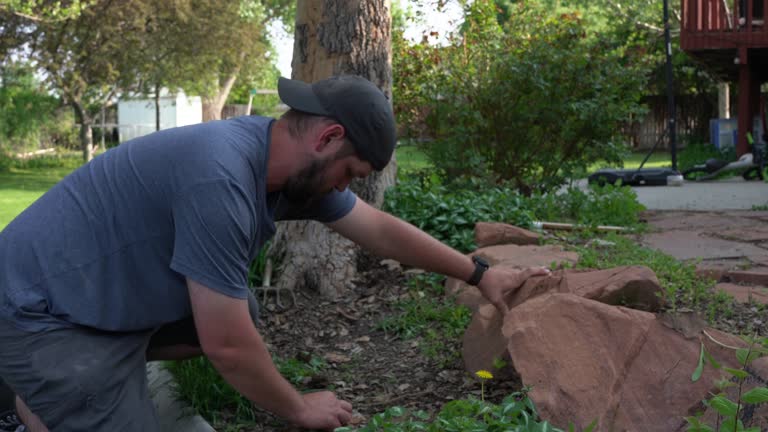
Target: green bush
{"x": 30, "y": 117}
{"x": 532, "y": 103}
{"x": 600, "y": 205}
{"x": 450, "y": 215}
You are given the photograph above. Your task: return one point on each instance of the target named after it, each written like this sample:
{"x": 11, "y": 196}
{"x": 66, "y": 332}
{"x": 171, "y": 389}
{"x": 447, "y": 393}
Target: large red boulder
{"x": 483, "y": 342}
{"x": 587, "y": 360}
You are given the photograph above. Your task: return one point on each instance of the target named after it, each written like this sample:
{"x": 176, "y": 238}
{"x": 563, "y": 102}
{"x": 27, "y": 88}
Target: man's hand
{"x": 498, "y": 281}
{"x": 323, "y": 411}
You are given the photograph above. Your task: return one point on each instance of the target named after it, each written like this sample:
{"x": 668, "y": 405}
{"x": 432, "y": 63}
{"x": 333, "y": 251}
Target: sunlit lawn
{"x": 409, "y": 157}
{"x": 21, "y": 187}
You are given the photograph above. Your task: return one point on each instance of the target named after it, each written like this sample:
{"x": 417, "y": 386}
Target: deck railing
{"x": 708, "y": 16}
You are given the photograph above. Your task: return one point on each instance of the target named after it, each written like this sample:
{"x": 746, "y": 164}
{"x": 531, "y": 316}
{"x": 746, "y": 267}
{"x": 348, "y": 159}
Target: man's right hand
{"x": 322, "y": 410}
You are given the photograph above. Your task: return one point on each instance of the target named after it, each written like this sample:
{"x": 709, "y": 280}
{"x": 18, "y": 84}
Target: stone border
{"x": 174, "y": 415}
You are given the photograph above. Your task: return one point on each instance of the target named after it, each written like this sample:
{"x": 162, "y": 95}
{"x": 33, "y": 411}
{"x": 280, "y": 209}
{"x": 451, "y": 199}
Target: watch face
{"x": 481, "y": 261}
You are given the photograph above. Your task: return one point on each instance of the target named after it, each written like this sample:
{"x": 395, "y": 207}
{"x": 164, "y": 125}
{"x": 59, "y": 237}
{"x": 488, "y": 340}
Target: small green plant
{"x": 201, "y": 385}
{"x": 515, "y": 413}
{"x": 762, "y": 207}
{"x": 728, "y": 411}
{"x": 679, "y": 280}
{"x": 484, "y": 375}
{"x": 599, "y": 205}
{"x": 426, "y": 314}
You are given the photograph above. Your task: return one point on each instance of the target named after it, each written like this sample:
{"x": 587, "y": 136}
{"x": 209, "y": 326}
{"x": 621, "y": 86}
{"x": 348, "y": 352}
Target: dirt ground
{"x": 375, "y": 370}
{"x": 369, "y": 368}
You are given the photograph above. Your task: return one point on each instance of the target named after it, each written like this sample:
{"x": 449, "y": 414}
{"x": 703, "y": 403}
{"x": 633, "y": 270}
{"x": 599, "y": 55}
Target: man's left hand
{"x": 498, "y": 281}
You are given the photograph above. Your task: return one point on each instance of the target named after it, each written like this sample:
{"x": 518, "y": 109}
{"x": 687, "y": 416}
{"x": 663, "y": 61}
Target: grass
{"x": 26, "y": 181}
{"x": 410, "y": 158}
{"x": 683, "y": 288}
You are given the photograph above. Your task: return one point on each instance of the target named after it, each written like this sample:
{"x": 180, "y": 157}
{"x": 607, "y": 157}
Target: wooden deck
{"x": 723, "y": 24}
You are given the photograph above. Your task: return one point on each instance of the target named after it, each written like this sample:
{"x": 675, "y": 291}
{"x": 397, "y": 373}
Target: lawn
{"x": 25, "y": 183}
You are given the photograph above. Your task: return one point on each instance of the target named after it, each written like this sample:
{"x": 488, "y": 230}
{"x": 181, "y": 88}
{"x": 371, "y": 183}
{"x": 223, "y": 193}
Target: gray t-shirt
{"x": 110, "y": 246}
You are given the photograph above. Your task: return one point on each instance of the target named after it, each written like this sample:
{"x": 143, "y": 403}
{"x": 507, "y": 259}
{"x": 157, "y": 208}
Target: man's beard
{"x": 305, "y": 186}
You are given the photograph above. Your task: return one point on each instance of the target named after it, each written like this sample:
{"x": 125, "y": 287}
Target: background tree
{"x": 83, "y": 56}
{"x": 335, "y": 37}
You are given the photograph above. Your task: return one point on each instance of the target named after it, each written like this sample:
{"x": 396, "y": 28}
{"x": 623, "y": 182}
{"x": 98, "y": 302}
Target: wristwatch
{"x": 481, "y": 265}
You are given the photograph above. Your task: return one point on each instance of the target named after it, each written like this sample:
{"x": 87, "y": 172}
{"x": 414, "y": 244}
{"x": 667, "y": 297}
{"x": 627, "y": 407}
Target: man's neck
{"x": 282, "y": 156}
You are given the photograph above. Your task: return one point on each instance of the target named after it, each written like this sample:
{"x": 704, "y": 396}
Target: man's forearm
{"x": 250, "y": 370}
{"x": 409, "y": 245}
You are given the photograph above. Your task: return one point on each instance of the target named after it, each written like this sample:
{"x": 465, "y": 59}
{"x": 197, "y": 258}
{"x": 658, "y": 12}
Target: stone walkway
{"x": 732, "y": 246}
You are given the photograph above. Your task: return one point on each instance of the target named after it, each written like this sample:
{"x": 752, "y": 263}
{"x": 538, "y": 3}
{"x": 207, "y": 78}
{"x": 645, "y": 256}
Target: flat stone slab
{"x": 745, "y": 294}
{"x": 696, "y": 220}
{"x": 752, "y": 276}
{"x": 747, "y": 234}
{"x": 687, "y": 245}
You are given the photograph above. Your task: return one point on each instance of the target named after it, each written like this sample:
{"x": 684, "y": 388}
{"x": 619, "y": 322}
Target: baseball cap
{"x": 354, "y": 102}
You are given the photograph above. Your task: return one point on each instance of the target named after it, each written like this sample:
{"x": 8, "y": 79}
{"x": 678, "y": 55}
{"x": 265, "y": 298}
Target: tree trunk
{"x": 157, "y": 106}
{"x": 86, "y": 132}
{"x": 213, "y": 106}
{"x": 335, "y": 37}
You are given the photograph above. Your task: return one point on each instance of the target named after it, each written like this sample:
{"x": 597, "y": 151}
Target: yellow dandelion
{"x": 484, "y": 374}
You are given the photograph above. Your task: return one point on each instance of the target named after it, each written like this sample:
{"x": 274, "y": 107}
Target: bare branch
{"x": 617, "y": 7}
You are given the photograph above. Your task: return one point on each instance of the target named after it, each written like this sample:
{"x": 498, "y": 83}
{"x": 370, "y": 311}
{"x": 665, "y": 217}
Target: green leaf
{"x": 738, "y": 373}
{"x": 711, "y": 360}
{"x": 724, "y": 406}
{"x": 700, "y": 367}
{"x": 756, "y": 395}
{"x": 746, "y": 356}
{"x": 591, "y": 426}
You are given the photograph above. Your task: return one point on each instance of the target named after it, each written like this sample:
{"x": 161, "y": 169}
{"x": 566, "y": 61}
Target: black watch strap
{"x": 481, "y": 266}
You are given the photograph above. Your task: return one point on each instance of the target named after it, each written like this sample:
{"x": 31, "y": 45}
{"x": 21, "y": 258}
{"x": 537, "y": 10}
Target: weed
{"x": 201, "y": 385}
{"x": 515, "y": 412}
{"x": 427, "y": 315}
{"x": 728, "y": 411}
{"x": 679, "y": 280}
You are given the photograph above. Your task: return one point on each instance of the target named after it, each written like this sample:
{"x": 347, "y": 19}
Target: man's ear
{"x": 331, "y": 137}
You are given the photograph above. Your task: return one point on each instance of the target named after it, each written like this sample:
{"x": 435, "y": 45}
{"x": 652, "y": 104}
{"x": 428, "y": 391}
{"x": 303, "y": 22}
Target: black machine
{"x": 634, "y": 177}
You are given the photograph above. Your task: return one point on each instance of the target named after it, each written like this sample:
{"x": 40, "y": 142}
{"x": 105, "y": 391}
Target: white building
{"x": 136, "y": 116}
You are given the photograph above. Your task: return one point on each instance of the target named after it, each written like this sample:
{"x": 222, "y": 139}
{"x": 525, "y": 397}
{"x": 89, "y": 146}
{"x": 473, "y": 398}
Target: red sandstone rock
{"x": 588, "y": 361}
{"x": 489, "y": 234}
{"x": 634, "y": 285}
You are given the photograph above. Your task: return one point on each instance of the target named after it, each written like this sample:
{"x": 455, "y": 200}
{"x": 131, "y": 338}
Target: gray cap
{"x": 354, "y": 102}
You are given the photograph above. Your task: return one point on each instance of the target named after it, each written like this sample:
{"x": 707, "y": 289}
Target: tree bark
{"x": 157, "y": 106}
{"x": 335, "y": 37}
{"x": 86, "y": 131}
{"x": 213, "y": 106}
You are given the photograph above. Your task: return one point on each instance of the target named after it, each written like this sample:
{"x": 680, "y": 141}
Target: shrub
{"x": 599, "y": 205}
{"x": 29, "y": 117}
{"x": 450, "y": 215}
{"x": 531, "y": 103}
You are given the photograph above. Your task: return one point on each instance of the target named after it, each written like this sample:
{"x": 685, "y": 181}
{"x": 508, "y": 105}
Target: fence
{"x": 693, "y": 113}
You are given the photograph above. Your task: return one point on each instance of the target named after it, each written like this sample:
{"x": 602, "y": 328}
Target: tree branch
{"x": 620, "y": 11}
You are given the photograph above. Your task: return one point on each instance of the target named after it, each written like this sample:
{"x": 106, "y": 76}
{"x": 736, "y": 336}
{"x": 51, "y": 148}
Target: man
{"x": 159, "y": 232}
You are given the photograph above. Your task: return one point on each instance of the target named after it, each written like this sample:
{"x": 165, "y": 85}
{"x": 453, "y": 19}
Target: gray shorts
{"x": 81, "y": 379}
